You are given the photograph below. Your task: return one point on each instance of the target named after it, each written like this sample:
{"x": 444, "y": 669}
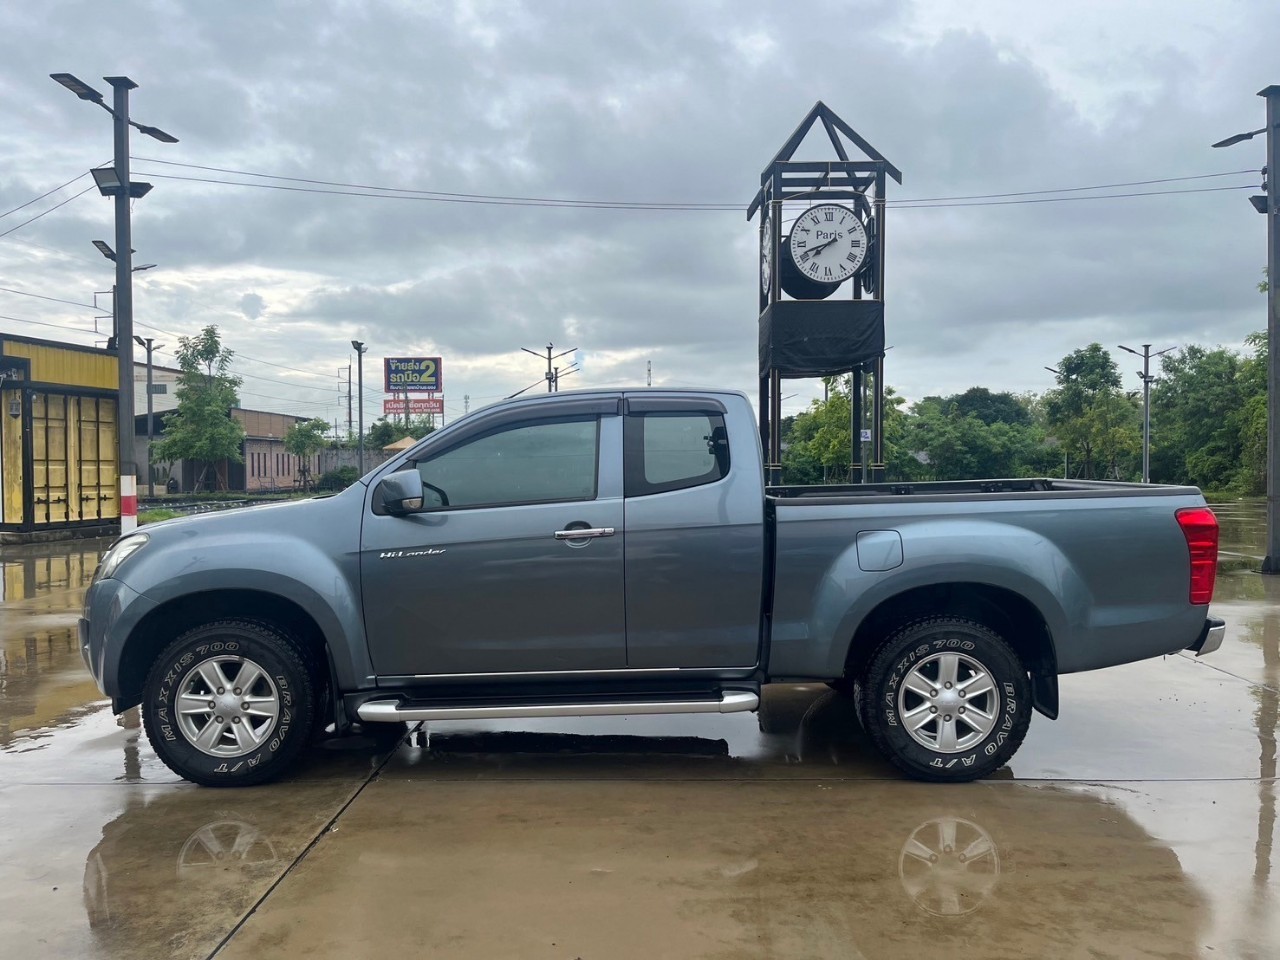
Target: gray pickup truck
{"x": 617, "y": 552}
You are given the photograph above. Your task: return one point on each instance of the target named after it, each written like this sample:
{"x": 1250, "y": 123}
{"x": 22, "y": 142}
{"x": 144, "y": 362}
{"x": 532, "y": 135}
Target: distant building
{"x": 164, "y": 389}
{"x": 267, "y": 466}
{"x": 58, "y": 457}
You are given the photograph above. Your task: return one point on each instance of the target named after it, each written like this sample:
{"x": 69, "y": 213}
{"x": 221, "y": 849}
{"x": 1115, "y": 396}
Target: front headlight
{"x": 121, "y": 551}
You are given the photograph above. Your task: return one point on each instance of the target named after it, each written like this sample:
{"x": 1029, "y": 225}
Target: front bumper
{"x": 1210, "y": 638}
{"x": 111, "y": 612}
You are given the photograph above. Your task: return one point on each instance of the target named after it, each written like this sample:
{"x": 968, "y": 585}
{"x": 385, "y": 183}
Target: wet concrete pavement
{"x": 1140, "y": 824}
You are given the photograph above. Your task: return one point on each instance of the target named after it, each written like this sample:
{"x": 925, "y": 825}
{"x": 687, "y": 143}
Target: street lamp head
{"x": 105, "y": 249}
{"x": 154, "y": 132}
{"x": 1129, "y": 349}
{"x": 359, "y": 347}
{"x": 1259, "y": 201}
{"x": 78, "y": 87}
{"x": 1239, "y": 138}
{"x": 107, "y": 180}
{"x": 145, "y": 266}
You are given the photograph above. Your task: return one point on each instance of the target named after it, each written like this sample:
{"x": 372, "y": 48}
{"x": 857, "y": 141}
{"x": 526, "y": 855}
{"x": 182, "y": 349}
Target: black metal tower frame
{"x": 862, "y": 181}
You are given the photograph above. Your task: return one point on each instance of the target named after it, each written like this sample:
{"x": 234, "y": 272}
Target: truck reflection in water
{"x": 773, "y": 850}
{"x": 948, "y": 866}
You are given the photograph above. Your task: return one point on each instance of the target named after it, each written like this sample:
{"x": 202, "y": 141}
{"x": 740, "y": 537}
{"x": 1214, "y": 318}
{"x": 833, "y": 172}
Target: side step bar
{"x": 732, "y": 701}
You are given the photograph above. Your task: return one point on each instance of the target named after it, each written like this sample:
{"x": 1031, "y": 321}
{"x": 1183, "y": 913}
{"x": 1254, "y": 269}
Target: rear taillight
{"x": 1200, "y": 527}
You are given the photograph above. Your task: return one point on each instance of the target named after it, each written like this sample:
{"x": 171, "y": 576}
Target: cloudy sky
{"x": 624, "y": 102}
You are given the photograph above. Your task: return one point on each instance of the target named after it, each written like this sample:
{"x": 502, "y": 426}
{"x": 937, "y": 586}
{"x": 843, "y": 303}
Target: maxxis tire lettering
{"x": 288, "y": 664}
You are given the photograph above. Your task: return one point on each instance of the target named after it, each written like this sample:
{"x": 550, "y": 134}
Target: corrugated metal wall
{"x": 75, "y": 368}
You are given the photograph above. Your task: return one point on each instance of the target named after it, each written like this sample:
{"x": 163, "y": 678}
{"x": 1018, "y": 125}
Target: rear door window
{"x": 675, "y": 450}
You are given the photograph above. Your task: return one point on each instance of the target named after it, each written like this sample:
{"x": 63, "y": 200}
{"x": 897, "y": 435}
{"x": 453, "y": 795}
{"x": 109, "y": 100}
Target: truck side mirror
{"x": 401, "y": 492}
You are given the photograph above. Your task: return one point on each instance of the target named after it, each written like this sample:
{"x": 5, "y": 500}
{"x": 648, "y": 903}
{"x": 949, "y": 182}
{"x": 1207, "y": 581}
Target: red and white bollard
{"x": 128, "y": 504}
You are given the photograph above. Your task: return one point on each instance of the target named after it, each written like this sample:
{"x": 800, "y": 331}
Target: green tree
{"x": 383, "y": 431}
{"x": 304, "y": 440}
{"x": 816, "y": 442}
{"x": 1094, "y": 422}
{"x": 1197, "y": 417}
{"x": 954, "y": 445}
{"x": 988, "y": 407}
{"x": 201, "y": 428}
{"x": 1251, "y": 478}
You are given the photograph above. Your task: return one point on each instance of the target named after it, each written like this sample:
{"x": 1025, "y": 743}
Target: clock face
{"x": 766, "y": 257}
{"x": 828, "y": 243}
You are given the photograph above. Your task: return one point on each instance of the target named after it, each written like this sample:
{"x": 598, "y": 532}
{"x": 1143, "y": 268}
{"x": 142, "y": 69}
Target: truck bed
{"x": 961, "y": 490}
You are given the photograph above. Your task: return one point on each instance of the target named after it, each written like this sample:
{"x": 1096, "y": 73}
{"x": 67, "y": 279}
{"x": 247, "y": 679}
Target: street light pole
{"x": 123, "y": 191}
{"x": 1145, "y": 374}
{"x": 549, "y": 357}
{"x": 124, "y": 308}
{"x": 360, "y": 349}
{"x": 149, "y": 345}
{"x": 1269, "y": 205}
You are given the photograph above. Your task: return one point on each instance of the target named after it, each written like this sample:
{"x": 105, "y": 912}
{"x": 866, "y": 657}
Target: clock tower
{"x": 822, "y": 282}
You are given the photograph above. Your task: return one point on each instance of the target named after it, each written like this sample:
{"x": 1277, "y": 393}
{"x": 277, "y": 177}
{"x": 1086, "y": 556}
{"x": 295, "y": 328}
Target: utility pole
{"x": 1147, "y": 378}
{"x": 148, "y": 344}
{"x": 466, "y": 404}
{"x": 648, "y": 379}
{"x": 549, "y": 356}
{"x": 348, "y": 401}
{"x": 1268, "y": 204}
{"x": 360, "y": 349}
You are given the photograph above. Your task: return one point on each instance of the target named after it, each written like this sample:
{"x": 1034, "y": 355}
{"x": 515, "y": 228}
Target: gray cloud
{"x": 653, "y": 101}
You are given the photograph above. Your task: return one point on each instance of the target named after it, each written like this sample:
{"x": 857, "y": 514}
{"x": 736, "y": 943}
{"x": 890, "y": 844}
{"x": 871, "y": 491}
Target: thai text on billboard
{"x": 412, "y": 374}
{"x": 415, "y": 406}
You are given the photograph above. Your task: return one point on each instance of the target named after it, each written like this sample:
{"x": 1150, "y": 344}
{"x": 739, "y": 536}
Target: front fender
{"x": 307, "y": 556}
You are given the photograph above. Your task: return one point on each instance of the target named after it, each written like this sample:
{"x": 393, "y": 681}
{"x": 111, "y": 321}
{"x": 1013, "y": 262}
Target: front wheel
{"x": 946, "y": 699}
{"x": 229, "y": 703}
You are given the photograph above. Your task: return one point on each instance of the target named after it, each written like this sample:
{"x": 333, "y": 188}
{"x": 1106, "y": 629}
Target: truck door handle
{"x": 585, "y": 533}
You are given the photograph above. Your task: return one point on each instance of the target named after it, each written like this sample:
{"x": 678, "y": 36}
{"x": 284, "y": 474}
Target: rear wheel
{"x": 945, "y": 699}
{"x": 230, "y": 703}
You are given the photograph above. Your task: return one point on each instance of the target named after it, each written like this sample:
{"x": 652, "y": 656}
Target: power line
{"x": 501, "y": 199}
{"x": 46, "y": 212}
{"x": 897, "y": 205}
{"x": 41, "y": 296}
{"x": 438, "y": 194}
{"x": 43, "y": 195}
{"x": 1108, "y": 196}
{"x": 42, "y": 323}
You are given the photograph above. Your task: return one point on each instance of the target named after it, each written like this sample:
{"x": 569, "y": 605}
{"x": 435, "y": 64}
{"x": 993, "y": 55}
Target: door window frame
{"x": 507, "y": 427}
{"x": 635, "y": 482}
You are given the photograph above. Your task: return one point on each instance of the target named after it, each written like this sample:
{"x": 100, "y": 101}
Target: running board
{"x": 733, "y": 701}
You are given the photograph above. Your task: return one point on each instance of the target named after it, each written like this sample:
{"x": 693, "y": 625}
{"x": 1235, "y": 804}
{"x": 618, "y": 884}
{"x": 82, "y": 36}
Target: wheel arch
{"x": 1005, "y": 611}
{"x": 171, "y": 619}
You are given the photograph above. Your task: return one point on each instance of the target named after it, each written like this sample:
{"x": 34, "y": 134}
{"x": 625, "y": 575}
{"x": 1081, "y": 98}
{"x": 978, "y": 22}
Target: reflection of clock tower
{"x": 822, "y": 282}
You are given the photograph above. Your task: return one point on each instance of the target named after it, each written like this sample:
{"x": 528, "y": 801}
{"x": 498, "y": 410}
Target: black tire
{"x": 282, "y": 661}
{"x": 882, "y": 698}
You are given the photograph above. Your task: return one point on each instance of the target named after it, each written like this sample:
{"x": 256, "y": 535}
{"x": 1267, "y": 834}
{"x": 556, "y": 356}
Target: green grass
{"x": 155, "y": 516}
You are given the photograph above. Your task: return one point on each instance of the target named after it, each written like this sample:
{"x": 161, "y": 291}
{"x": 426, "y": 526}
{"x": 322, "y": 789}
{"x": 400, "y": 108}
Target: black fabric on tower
{"x": 820, "y": 338}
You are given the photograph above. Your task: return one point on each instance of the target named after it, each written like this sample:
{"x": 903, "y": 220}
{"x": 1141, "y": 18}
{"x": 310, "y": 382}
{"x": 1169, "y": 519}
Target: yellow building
{"x": 58, "y": 456}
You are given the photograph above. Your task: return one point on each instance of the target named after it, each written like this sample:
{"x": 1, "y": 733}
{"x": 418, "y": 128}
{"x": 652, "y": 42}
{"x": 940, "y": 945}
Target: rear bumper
{"x": 1210, "y": 638}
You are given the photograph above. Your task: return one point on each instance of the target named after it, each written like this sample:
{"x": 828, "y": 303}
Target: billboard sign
{"x": 411, "y": 374}
{"x": 415, "y": 406}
